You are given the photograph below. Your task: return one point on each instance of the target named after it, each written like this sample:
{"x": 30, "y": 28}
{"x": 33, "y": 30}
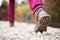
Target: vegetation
{"x": 3, "y": 11}
{"x": 53, "y": 8}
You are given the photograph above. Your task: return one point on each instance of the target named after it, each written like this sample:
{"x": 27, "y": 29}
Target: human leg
{"x": 11, "y": 8}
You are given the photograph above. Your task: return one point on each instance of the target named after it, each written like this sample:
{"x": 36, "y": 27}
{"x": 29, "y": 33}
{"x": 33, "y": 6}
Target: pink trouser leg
{"x": 42, "y": 17}
{"x": 35, "y": 4}
{"x": 11, "y": 8}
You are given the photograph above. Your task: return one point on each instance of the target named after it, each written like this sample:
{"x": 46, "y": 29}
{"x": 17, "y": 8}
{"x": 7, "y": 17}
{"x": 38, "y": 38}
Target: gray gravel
{"x": 24, "y": 31}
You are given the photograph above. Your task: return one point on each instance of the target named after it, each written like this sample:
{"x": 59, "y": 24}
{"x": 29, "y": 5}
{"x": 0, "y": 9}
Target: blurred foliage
{"x": 3, "y": 11}
{"x": 20, "y": 11}
{"x": 53, "y": 8}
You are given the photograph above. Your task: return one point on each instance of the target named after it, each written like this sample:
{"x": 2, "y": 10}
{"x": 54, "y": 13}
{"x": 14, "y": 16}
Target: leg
{"x": 42, "y": 17}
{"x": 42, "y": 20}
{"x": 11, "y": 8}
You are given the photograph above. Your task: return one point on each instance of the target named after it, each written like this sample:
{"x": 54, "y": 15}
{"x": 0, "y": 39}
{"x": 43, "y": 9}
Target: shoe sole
{"x": 42, "y": 24}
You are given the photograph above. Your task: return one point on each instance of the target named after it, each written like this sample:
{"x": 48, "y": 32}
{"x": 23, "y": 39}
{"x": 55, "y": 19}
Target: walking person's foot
{"x": 11, "y": 24}
{"x": 42, "y": 21}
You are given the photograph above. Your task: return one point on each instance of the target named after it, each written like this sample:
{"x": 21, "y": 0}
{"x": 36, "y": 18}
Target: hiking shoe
{"x": 42, "y": 21}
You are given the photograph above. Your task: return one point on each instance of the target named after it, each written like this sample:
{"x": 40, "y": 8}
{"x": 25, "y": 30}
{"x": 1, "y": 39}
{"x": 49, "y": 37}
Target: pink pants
{"x": 11, "y": 9}
{"x": 34, "y": 4}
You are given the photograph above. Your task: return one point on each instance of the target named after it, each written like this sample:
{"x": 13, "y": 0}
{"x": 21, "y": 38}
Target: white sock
{"x": 42, "y": 14}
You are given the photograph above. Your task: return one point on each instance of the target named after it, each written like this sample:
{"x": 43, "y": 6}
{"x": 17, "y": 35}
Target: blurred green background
{"x": 52, "y": 7}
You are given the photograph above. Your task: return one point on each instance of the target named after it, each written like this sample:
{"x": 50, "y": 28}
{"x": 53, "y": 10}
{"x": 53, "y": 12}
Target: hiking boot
{"x": 42, "y": 21}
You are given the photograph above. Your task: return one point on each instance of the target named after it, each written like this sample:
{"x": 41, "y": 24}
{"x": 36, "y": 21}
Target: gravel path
{"x": 24, "y": 31}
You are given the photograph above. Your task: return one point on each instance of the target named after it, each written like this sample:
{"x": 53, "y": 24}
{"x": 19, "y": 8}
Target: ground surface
{"x": 24, "y": 31}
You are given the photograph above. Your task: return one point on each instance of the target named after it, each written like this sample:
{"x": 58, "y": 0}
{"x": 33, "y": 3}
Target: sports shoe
{"x": 42, "y": 21}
